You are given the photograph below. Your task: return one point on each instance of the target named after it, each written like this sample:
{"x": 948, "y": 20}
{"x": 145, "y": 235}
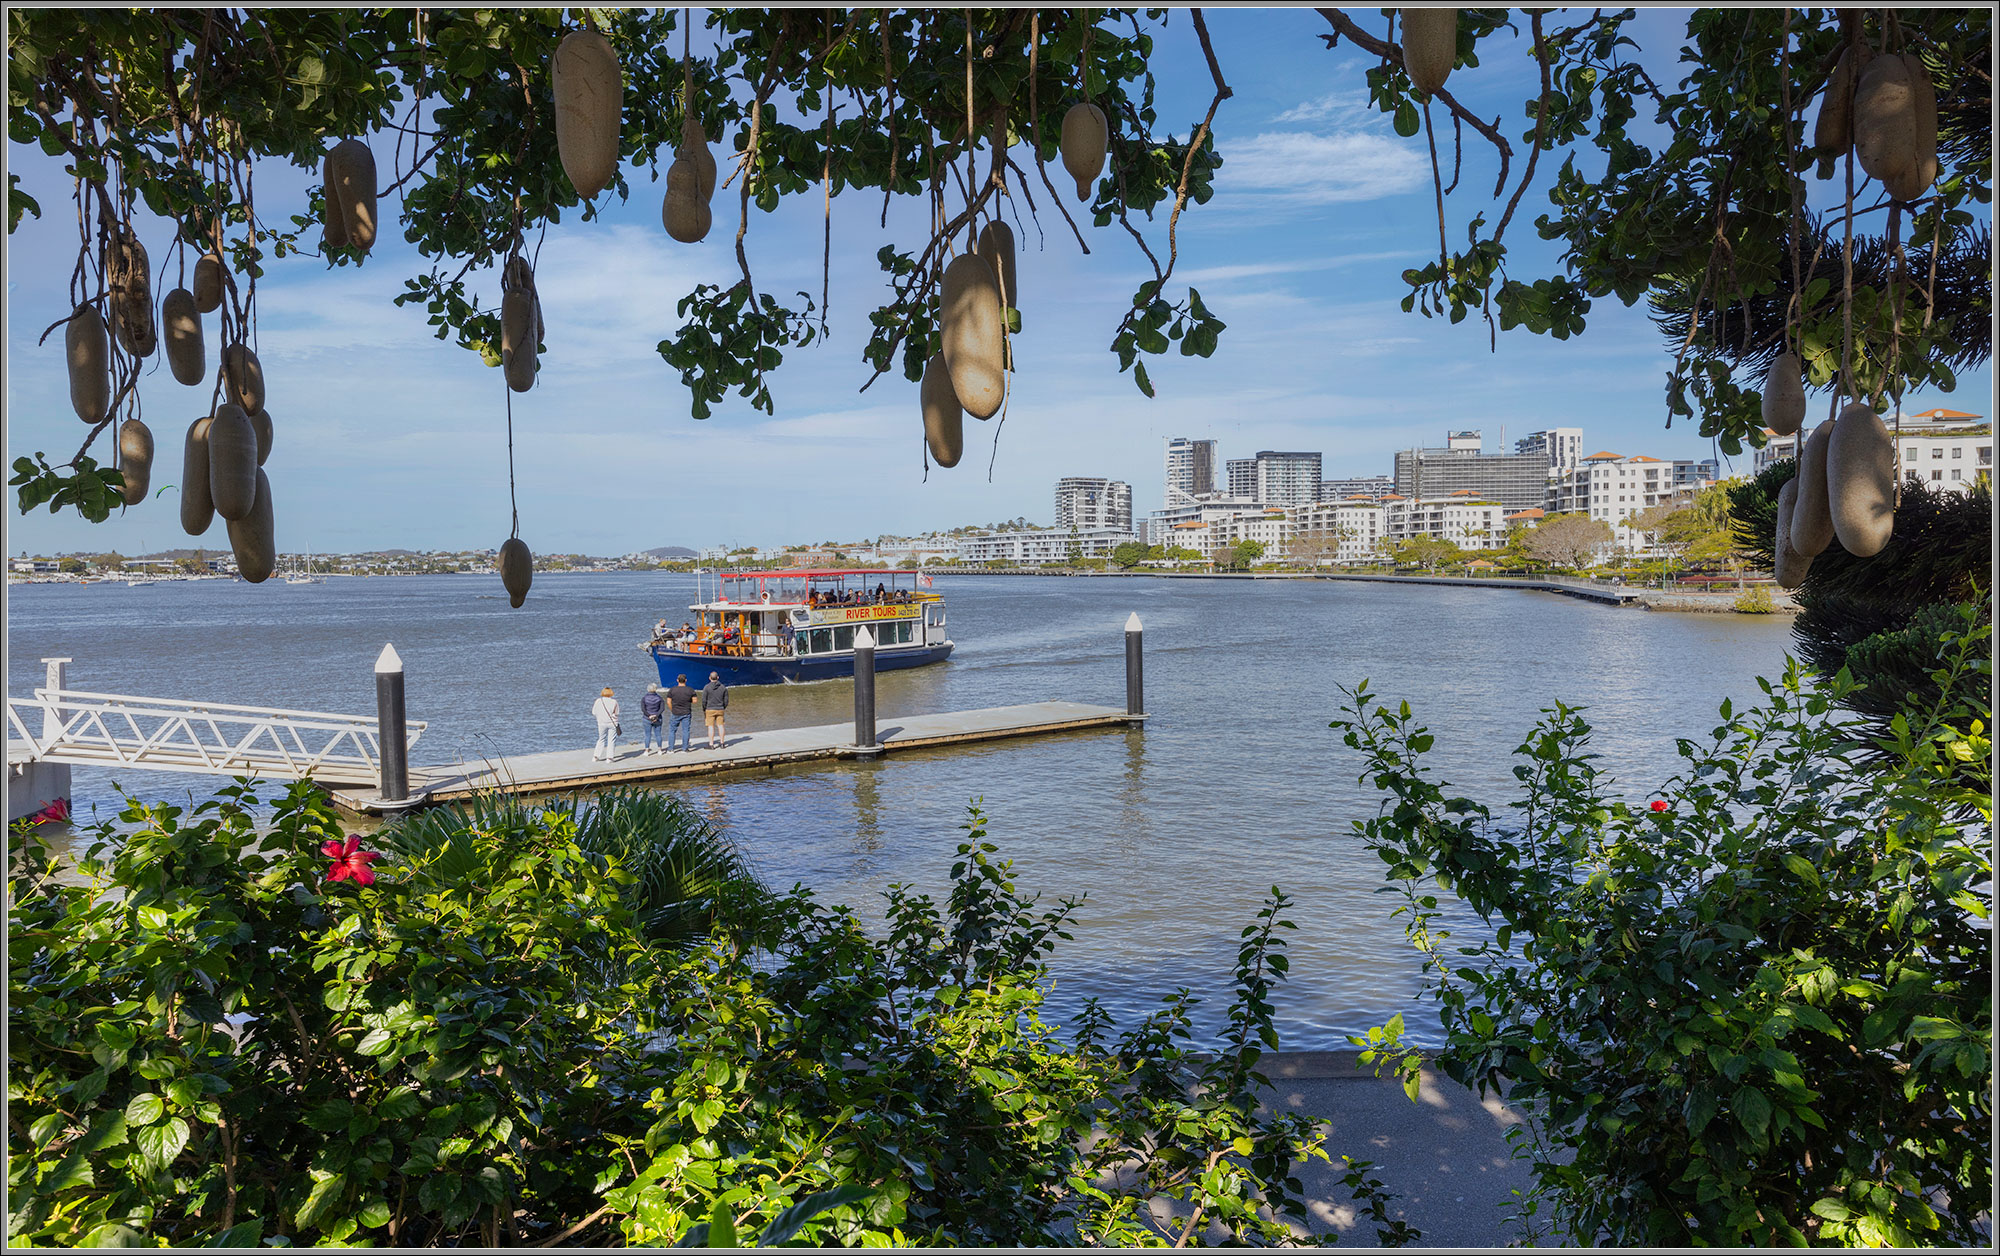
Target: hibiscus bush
{"x": 1757, "y": 1010}
{"x": 244, "y": 1028}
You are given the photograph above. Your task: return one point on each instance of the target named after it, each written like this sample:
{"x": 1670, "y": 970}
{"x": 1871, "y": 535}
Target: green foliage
{"x": 94, "y": 491}
{"x": 1130, "y": 554}
{"x": 1755, "y": 601}
{"x": 1574, "y": 541}
{"x": 686, "y": 880}
{"x": 1428, "y": 552}
{"x": 210, "y": 1042}
{"x": 1756, "y": 1011}
{"x": 227, "y": 1039}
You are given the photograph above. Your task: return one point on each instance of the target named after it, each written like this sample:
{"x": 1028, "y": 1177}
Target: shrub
{"x": 238, "y": 1036}
{"x": 1757, "y": 1010}
{"x": 1755, "y": 601}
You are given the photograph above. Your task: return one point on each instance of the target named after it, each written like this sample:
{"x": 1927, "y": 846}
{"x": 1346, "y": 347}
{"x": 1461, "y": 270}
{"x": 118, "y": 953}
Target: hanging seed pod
{"x": 1885, "y": 128}
{"x": 518, "y": 274}
{"x": 518, "y": 351}
{"x": 517, "y": 570}
{"x": 135, "y": 460}
{"x": 1833, "y": 130}
{"x": 260, "y": 422}
{"x": 350, "y": 168}
{"x": 1785, "y": 395}
{"x": 1923, "y": 102}
{"x": 243, "y": 374}
{"x": 974, "y": 347}
{"x": 1861, "y": 481}
{"x": 333, "y": 231}
{"x": 944, "y": 418}
{"x": 182, "y": 324}
{"x": 131, "y": 283}
{"x": 208, "y": 284}
{"x": 1430, "y": 46}
{"x": 1085, "y": 139}
{"x": 684, "y": 212}
{"x": 996, "y": 245}
{"x": 254, "y": 538}
{"x": 589, "y": 94}
{"x": 232, "y": 462}
{"x": 1790, "y": 566}
{"x": 694, "y": 146}
{"x": 197, "y": 508}
{"x": 1812, "y": 524}
{"x": 87, "y": 345}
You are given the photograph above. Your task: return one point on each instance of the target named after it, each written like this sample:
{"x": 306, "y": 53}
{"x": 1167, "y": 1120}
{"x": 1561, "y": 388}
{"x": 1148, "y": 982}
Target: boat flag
{"x": 925, "y": 581}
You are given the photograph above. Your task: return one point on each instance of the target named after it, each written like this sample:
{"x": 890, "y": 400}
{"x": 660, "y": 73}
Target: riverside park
{"x": 1531, "y": 848}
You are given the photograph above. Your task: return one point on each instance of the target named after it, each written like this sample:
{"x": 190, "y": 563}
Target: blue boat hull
{"x": 794, "y": 670}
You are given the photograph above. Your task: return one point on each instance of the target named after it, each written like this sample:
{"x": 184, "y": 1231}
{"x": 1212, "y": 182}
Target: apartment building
{"x": 1159, "y": 527}
{"x": 1561, "y": 446}
{"x": 1352, "y": 529}
{"x": 1464, "y": 518}
{"x": 1051, "y": 545}
{"x": 1090, "y": 504}
{"x": 1190, "y": 469}
{"x": 1517, "y": 481}
{"x": 1612, "y": 489}
{"x": 1369, "y": 487}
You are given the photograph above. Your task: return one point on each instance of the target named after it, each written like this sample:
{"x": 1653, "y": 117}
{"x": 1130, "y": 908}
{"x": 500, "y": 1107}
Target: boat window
{"x": 903, "y": 632}
{"x": 800, "y": 617}
{"x": 843, "y": 639}
{"x": 822, "y": 638}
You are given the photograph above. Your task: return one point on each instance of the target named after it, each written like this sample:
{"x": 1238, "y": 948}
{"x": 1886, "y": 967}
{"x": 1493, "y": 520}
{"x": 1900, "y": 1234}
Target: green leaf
{"x": 1753, "y": 1110}
{"x": 144, "y": 1109}
{"x": 787, "y": 1223}
{"x": 375, "y": 1214}
{"x": 159, "y": 1144}
{"x": 1407, "y": 121}
{"x": 242, "y": 1234}
{"x": 721, "y": 1226}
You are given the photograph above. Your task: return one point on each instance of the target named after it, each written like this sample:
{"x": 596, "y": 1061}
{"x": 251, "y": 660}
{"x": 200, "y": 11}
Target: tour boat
{"x": 769, "y": 627}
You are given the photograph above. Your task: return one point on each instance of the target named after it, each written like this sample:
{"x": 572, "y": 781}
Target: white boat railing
{"x": 213, "y": 738}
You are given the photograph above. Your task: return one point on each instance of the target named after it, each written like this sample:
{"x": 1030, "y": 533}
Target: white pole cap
{"x": 1132, "y": 624}
{"x": 388, "y": 660}
{"x": 864, "y": 639}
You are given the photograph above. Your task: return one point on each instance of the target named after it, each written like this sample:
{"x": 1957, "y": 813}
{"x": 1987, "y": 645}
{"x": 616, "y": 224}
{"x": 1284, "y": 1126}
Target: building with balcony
{"x": 1464, "y": 518}
{"x": 1946, "y": 449}
{"x": 1516, "y": 481}
{"x": 1347, "y": 531}
{"x": 1190, "y": 470}
{"x": 1089, "y": 504}
{"x": 1562, "y": 446}
{"x": 1039, "y": 546}
{"x": 1369, "y": 487}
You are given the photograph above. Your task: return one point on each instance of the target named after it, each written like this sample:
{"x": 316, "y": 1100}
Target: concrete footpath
{"x": 1445, "y": 1156}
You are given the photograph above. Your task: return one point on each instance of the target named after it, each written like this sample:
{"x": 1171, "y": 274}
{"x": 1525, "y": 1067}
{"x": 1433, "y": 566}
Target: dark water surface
{"x": 1176, "y": 833}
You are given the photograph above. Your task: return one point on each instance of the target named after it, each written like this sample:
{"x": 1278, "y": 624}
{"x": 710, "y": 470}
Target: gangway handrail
{"x": 216, "y": 708}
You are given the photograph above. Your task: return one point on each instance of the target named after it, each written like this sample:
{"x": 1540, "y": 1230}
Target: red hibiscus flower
{"x": 1659, "y": 804}
{"x": 350, "y": 862}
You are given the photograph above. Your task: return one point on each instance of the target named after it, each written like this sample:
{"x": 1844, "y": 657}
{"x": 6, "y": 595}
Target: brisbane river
{"x": 1175, "y": 833}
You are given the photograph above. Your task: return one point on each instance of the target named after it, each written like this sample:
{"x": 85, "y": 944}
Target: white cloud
{"x": 1343, "y": 104}
{"x": 1297, "y": 168}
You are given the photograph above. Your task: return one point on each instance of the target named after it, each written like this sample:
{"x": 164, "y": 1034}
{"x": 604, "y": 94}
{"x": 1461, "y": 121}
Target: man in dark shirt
{"x": 680, "y": 702}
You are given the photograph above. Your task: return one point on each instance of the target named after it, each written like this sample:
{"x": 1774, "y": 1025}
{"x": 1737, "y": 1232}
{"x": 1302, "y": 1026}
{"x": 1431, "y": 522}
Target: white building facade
{"x": 1612, "y": 490}
{"x": 1465, "y": 519}
{"x": 1052, "y": 545}
{"x": 1353, "y": 529}
{"x": 1190, "y": 469}
{"x": 1562, "y": 446}
{"x": 1090, "y": 504}
{"x": 1946, "y": 449}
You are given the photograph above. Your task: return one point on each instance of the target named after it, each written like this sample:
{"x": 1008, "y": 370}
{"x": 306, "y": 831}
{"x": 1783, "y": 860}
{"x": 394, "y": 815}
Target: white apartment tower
{"x": 1276, "y": 478}
{"x": 1190, "y": 469}
{"x": 1090, "y": 504}
{"x": 1562, "y": 446}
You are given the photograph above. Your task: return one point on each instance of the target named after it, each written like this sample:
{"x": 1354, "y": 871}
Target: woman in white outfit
{"x": 606, "y": 711}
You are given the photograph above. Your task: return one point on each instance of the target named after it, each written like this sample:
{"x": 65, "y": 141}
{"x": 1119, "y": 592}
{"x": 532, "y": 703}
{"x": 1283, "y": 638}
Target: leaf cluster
{"x": 1760, "y": 1013}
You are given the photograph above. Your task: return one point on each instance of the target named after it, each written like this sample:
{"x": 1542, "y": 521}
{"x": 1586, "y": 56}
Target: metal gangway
{"x": 62, "y": 725}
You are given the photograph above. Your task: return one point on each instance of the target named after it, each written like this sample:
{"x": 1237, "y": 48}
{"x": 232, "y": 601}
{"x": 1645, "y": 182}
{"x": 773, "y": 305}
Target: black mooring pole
{"x": 864, "y": 689}
{"x": 390, "y": 726}
{"x": 1135, "y": 667}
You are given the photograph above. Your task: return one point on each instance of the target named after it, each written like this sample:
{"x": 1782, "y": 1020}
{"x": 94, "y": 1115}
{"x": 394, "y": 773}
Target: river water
{"x": 1175, "y": 833}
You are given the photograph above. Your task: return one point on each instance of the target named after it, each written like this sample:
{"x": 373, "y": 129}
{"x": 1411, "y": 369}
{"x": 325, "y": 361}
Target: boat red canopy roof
{"x": 815, "y": 571}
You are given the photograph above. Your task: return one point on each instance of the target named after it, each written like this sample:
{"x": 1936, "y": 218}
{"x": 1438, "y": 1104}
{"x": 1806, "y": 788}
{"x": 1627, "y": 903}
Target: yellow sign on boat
{"x": 848, "y": 614}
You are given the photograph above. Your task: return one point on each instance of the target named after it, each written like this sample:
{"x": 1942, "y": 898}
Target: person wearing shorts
{"x": 714, "y": 705}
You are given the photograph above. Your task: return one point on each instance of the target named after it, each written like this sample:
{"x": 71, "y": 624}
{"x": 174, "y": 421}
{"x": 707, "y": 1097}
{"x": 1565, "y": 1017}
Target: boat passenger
{"x": 881, "y": 593}
{"x": 785, "y": 634}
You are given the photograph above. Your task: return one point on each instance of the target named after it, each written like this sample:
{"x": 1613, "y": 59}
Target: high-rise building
{"x": 1276, "y": 478}
{"x": 1190, "y": 469}
{"x": 1562, "y": 446}
{"x": 1243, "y": 478}
{"x": 1515, "y": 481}
{"x": 1689, "y": 473}
{"x": 1372, "y": 487}
{"x": 1287, "y": 479}
{"x": 1090, "y": 504}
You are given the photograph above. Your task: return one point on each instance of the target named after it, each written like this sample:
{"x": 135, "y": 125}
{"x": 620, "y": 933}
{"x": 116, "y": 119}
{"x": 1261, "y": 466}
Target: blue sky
{"x": 388, "y": 437}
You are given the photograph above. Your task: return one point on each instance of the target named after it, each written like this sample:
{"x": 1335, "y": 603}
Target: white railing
{"x": 167, "y": 735}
